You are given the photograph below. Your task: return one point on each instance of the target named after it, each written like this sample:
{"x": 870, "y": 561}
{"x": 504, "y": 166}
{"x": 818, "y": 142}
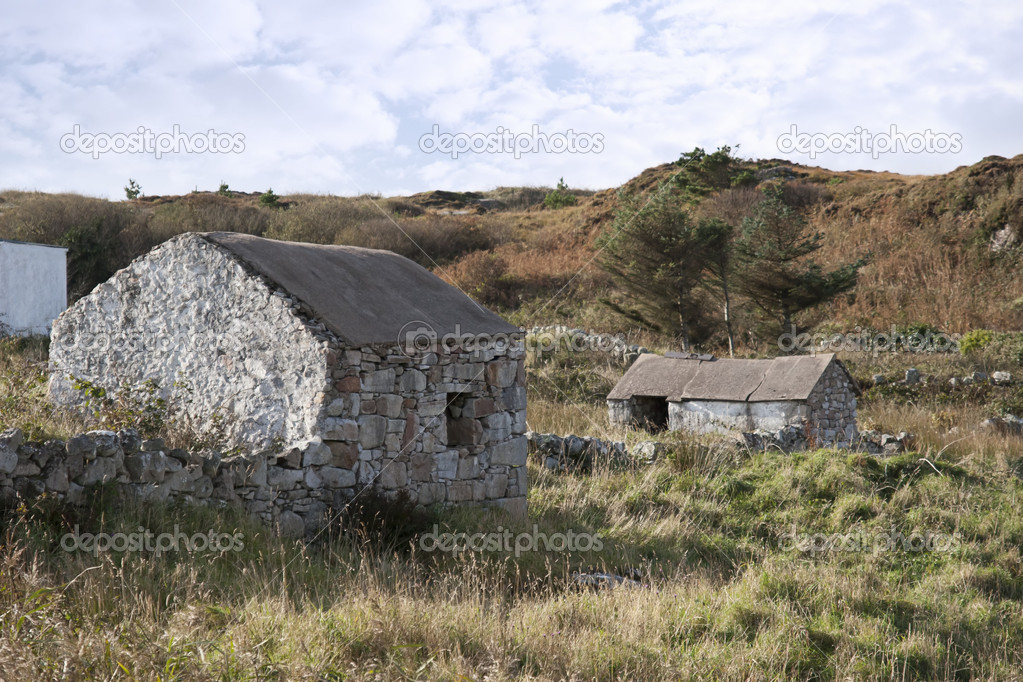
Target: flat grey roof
{"x": 676, "y": 379}
{"x": 363, "y": 295}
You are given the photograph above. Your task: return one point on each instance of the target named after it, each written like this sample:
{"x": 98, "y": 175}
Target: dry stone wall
{"x": 294, "y": 490}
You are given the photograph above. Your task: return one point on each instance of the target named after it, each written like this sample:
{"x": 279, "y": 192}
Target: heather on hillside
{"x": 943, "y": 250}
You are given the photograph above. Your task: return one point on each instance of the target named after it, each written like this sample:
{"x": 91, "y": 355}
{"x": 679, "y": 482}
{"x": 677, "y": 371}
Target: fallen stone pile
{"x": 647, "y": 451}
{"x": 573, "y": 453}
{"x": 914, "y": 377}
{"x": 793, "y": 438}
{"x": 877, "y": 443}
{"x": 1007, "y": 425}
{"x": 996, "y": 378}
{"x": 605, "y": 581}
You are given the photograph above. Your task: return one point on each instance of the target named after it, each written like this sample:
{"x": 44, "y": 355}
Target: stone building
{"x": 392, "y": 377}
{"x": 33, "y": 286}
{"x": 704, "y": 394}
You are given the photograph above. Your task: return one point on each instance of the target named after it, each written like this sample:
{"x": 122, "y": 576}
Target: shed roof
{"x": 363, "y": 295}
{"x": 677, "y": 379}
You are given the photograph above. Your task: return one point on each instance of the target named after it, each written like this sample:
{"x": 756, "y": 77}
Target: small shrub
{"x": 484, "y": 276}
{"x": 269, "y": 199}
{"x": 92, "y": 254}
{"x": 744, "y": 178}
{"x": 155, "y": 413}
{"x": 140, "y": 407}
{"x": 975, "y": 340}
{"x": 559, "y": 197}
{"x": 132, "y": 190}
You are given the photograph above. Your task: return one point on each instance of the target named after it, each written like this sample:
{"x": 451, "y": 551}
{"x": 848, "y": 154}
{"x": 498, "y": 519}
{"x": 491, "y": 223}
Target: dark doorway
{"x": 650, "y": 412}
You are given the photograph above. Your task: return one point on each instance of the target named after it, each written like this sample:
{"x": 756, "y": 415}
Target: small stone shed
{"x": 705, "y": 394}
{"x": 33, "y": 286}
{"x": 293, "y": 344}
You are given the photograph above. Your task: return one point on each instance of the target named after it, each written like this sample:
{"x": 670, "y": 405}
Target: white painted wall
{"x": 33, "y": 286}
{"x": 717, "y": 416}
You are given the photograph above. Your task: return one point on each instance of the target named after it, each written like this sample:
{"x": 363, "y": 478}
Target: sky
{"x": 400, "y": 97}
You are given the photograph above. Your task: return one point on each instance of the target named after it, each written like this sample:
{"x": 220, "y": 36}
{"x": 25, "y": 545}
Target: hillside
{"x": 944, "y": 249}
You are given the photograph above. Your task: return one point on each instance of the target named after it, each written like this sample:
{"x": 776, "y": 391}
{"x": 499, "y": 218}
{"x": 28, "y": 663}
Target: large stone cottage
{"x": 705, "y": 394}
{"x": 408, "y": 382}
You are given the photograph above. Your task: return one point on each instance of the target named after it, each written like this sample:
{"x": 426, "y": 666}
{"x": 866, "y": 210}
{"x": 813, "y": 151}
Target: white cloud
{"x": 335, "y": 96}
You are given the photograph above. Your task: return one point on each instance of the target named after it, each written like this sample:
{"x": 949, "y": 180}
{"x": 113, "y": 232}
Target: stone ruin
{"x": 334, "y": 367}
{"x": 704, "y": 394}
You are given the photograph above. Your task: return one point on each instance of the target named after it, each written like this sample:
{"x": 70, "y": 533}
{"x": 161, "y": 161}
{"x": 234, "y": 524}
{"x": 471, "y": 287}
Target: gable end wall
{"x": 833, "y": 407}
{"x": 448, "y": 428}
{"x": 189, "y": 312}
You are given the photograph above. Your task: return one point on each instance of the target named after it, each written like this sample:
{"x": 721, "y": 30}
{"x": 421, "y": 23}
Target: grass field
{"x": 820, "y": 565}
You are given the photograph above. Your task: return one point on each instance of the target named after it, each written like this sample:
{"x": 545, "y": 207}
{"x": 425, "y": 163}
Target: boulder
{"x": 648, "y": 451}
{"x": 10, "y": 440}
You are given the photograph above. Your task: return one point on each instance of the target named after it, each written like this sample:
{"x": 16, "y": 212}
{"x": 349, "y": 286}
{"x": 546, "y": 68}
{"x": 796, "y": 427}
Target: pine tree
{"x": 775, "y": 271}
{"x": 714, "y": 237}
{"x": 654, "y": 254}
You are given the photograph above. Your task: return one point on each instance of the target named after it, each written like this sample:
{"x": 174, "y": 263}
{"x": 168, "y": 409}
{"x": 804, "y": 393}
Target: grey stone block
{"x": 372, "y": 429}
{"x": 509, "y": 453}
{"x": 380, "y": 381}
{"x": 334, "y": 477}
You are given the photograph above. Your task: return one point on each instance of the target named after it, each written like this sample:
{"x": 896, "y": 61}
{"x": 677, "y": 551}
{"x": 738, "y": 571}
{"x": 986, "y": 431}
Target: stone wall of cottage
{"x": 188, "y": 313}
{"x": 833, "y": 408}
{"x": 448, "y": 427}
{"x": 733, "y": 417}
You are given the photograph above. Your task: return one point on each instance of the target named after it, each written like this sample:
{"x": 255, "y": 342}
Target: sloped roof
{"x": 781, "y": 378}
{"x": 363, "y": 295}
